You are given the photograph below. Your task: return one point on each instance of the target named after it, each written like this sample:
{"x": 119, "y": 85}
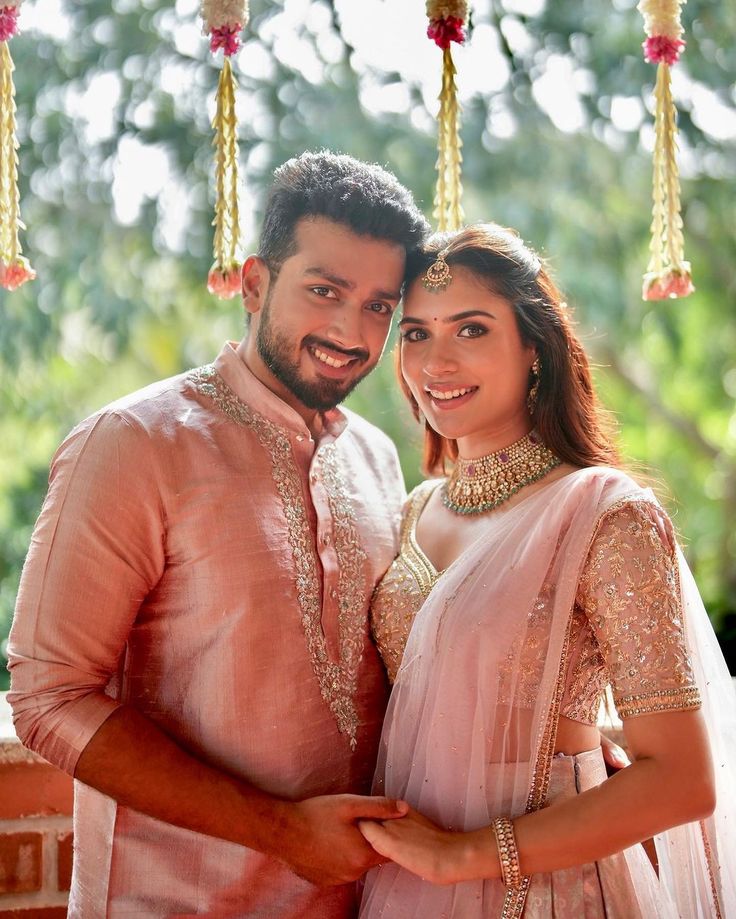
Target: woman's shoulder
{"x": 609, "y": 484}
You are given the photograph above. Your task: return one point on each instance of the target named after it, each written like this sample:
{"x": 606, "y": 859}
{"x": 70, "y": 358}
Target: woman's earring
{"x": 536, "y": 372}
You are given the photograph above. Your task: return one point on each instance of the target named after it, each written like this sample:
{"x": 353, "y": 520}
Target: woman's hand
{"x": 436, "y": 855}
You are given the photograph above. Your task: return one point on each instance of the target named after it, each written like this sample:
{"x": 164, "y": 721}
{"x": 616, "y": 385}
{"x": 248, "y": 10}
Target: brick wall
{"x": 35, "y": 831}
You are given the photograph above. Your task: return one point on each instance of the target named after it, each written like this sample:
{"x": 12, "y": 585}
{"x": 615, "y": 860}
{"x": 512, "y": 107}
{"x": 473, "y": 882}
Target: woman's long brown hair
{"x": 567, "y": 415}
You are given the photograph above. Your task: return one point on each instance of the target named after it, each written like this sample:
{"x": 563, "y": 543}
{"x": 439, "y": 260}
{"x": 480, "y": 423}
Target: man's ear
{"x": 255, "y": 278}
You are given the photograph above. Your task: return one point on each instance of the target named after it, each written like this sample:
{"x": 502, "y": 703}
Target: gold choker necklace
{"x": 478, "y": 485}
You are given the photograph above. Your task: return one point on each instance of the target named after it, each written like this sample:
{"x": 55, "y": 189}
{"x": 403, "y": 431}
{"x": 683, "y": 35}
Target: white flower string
{"x": 15, "y": 270}
{"x": 668, "y": 274}
{"x": 223, "y": 21}
{"x": 447, "y": 24}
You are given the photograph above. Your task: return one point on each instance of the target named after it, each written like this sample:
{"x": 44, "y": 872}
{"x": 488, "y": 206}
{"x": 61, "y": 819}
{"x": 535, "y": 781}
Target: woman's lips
{"x": 445, "y": 399}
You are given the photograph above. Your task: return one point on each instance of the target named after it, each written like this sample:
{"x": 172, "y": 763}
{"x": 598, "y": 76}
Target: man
{"x": 191, "y": 637}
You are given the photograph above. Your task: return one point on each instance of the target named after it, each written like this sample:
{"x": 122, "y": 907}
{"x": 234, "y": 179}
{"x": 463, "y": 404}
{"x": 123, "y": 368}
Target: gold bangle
{"x": 508, "y": 854}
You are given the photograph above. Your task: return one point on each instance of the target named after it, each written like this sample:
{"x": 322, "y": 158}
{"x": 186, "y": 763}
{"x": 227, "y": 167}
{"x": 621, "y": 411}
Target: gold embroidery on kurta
{"x": 337, "y": 681}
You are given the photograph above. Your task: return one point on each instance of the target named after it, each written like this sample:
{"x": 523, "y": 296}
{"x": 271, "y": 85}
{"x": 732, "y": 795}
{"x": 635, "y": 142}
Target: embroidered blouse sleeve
{"x": 630, "y": 593}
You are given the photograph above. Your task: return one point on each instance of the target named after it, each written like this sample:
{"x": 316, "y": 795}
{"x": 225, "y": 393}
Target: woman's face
{"x": 465, "y": 363}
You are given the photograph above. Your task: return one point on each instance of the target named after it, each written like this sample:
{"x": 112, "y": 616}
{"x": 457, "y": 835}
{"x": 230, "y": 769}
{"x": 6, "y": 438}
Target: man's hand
{"x": 320, "y": 840}
{"x": 614, "y": 756}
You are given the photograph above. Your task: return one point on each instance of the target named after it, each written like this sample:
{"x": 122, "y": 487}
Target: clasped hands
{"x": 335, "y": 839}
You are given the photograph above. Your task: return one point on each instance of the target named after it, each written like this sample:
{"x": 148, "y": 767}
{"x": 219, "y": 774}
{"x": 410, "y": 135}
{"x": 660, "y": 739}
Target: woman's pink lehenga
{"x": 494, "y": 657}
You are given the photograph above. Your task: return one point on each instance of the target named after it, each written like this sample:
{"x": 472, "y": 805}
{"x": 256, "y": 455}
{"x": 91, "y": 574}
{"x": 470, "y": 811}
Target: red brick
{"x": 34, "y": 789}
{"x": 64, "y": 849}
{"x": 20, "y": 862}
{"x": 35, "y": 912}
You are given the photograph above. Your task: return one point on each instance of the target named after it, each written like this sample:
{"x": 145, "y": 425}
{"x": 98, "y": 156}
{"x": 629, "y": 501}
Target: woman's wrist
{"x": 478, "y": 856}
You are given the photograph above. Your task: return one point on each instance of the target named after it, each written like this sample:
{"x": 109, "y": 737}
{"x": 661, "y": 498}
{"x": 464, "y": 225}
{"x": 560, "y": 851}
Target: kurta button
{"x": 313, "y": 478}
{"x": 325, "y": 539}
{"x": 333, "y": 594}
{"x": 300, "y": 437}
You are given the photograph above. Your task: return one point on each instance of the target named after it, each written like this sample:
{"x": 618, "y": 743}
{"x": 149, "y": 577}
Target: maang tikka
{"x": 437, "y": 277}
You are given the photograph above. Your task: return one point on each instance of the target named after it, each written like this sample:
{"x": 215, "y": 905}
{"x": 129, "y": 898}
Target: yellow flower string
{"x": 223, "y": 22}
{"x": 448, "y": 211}
{"x": 226, "y": 222}
{"x": 668, "y": 273}
{"x": 15, "y": 270}
{"x": 447, "y": 19}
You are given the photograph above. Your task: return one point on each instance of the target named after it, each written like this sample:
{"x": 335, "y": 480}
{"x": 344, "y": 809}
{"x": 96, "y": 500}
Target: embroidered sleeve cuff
{"x": 658, "y": 700}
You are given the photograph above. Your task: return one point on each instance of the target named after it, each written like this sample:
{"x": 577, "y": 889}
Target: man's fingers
{"x": 614, "y": 755}
{"x": 379, "y": 808}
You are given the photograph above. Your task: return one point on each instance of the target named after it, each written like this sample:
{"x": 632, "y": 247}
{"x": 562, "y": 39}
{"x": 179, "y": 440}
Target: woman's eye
{"x": 414, "y": 335}
{"x": 472, "y": 331}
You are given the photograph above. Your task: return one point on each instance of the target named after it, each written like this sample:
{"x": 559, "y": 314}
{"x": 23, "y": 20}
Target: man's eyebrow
{"x": 329, "y": 276}
{"x": 335, "y": 279}
{"x": 411, "y": 320}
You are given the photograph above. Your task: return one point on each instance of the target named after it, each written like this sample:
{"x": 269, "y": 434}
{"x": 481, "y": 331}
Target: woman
{"x": 546, "y": 574}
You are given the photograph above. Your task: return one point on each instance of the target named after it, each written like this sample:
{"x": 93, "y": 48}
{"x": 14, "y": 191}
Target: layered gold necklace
{"x": 478, "y": 485}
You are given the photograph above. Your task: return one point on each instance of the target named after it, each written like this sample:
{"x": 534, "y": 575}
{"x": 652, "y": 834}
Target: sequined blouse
{"x": 627, "y": 626}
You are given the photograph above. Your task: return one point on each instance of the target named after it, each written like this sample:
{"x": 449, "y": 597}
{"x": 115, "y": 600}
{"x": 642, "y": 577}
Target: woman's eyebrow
{"x": 456, "y": 318}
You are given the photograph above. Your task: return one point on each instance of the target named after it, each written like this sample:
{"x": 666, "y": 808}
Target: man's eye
{"x": 323, "y": 291}
{"x": 379, "y": 307}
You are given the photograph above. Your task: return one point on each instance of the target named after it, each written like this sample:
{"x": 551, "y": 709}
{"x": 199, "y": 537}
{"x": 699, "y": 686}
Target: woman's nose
{"x": 439, "y": 361}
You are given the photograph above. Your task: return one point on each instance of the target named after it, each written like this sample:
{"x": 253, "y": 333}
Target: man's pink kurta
{"x": 199, "y": 556}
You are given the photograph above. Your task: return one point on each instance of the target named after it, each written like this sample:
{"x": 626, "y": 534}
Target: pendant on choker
{"x": 480, "y": 485}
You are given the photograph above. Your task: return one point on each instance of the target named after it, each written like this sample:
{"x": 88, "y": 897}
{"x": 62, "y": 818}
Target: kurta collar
{"x": 249, "y": 388}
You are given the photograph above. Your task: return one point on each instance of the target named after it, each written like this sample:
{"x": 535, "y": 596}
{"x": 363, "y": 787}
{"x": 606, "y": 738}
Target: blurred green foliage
{"x": 119, "y": 305}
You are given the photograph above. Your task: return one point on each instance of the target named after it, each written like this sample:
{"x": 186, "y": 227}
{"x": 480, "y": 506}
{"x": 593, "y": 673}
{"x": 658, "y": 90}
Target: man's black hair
{"x": 363, "y": 197}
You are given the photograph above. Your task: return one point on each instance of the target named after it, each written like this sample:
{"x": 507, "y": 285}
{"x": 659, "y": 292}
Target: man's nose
{"x": 346, "y": 328}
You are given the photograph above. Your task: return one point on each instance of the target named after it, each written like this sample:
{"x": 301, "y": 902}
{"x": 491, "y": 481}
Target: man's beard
{"x": 274, "y": 350}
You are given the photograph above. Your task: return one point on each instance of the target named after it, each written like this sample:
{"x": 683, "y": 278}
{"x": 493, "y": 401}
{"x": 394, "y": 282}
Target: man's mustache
{"x": 360, "y": 353}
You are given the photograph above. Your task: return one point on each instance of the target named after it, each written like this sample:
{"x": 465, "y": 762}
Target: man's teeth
{"x": 330, "y": 361}
{"x": 453, "y": 394}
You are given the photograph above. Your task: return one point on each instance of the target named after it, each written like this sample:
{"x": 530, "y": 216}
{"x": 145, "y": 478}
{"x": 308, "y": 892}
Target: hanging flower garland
{"x": 223, "y": 21}
{"x": 15, "y": 270}
{"x": 448, "y": 24}
{"x": 668, "y": 274}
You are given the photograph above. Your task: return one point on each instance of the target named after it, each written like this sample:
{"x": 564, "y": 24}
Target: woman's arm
{"x": 629, "y": 590}
{"x": 670, "y": 782}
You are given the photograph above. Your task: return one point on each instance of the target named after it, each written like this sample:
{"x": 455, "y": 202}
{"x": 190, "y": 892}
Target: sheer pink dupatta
{"x": 470, "y": 728}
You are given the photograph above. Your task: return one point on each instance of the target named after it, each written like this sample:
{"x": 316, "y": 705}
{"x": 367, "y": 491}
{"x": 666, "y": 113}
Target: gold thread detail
{"x": 337, "y": 681}
{"x": 515, "y": 900}
{"x": 711, "y": 873}
{"x": 659, "y": 700}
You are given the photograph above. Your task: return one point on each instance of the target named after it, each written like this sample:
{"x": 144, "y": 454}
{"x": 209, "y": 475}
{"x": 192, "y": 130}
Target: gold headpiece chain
{"x": 437, "y": 277}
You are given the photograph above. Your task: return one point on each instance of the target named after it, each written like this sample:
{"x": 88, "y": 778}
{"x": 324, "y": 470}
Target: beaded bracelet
{"x": 508, "y": 854}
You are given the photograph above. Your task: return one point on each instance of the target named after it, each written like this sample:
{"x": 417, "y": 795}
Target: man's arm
{"x": 97, "y": 551}
{"x": 131, "y": 760}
